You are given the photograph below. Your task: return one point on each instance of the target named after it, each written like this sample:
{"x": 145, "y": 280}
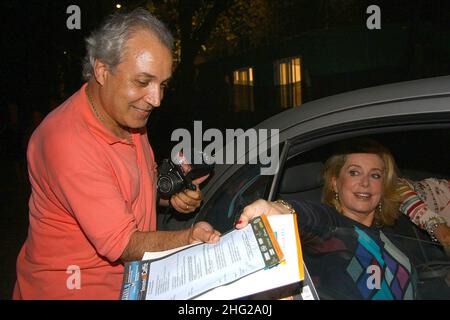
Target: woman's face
{"x": 360, "y": 186}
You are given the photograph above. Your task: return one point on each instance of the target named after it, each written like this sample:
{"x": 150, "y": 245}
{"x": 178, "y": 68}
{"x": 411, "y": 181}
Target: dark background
{"x": 40, "y": 67}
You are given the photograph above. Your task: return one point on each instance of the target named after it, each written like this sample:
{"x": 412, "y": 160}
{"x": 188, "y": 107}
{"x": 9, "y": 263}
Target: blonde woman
{"x": 350, "y": 252}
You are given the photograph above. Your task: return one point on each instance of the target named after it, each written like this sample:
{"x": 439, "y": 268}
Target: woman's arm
{"x": 418, "y": 212}
{"x": 310, "y": 215}
{"x": 316, "y": 216}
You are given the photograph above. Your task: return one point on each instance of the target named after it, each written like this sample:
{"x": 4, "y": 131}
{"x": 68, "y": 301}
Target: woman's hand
{"x": 442, "y": 233}
{"x": 258, "y": 208}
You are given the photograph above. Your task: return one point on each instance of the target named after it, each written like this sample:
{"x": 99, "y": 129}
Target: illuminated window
{"x": 288, "y": 71}
{"x": 242, "y": 90}
{"x": 289, "y": 77}
{"x": 243, "y": 76}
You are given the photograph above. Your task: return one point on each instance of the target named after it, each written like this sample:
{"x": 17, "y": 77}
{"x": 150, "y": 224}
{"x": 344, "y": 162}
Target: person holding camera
{"x": 93, "y": 174}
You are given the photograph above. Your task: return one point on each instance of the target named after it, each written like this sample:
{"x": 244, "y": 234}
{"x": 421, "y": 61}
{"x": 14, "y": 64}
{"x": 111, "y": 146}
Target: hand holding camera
{"x": 179, "y": 178}
{"x": 188, "y": 201}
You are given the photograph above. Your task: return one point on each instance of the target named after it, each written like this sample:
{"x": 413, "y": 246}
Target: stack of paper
{"x": 244, "y": 262}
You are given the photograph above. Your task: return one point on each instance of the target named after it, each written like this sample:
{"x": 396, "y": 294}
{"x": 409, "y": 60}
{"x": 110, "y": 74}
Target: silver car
{"x": 411, "y": 118}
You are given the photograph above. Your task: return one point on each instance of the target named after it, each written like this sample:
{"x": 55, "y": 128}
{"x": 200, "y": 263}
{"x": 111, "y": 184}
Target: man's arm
{"x": 141, "y": 242}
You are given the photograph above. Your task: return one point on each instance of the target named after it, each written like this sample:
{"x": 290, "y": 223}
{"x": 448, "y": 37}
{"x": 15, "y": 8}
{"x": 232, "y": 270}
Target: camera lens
{"x": 165, "y": 185}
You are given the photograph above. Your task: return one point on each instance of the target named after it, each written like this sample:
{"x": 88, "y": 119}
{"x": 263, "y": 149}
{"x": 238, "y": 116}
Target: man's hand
{"x": 141, "y": 242}
{"x": 203, "y": 232}
{"x": 188, "y": 201}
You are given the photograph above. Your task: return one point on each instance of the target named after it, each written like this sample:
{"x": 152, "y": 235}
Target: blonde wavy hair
{"x": 390, "y": 200}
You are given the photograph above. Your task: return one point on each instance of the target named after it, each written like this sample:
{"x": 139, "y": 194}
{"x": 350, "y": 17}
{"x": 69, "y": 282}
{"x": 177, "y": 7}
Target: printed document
{"x": 193, "y": 270}
{"x": 288, "y": 272}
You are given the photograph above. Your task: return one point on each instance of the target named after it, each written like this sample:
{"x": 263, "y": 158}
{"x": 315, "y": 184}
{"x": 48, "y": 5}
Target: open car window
{"x": 328, "y": 250}
{"x": 248, "y": 185}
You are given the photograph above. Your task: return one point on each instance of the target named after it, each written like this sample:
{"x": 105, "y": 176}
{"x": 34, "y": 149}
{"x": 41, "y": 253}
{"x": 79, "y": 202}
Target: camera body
{"x": 176, "y": 174}
{"x": 171, "y": 179}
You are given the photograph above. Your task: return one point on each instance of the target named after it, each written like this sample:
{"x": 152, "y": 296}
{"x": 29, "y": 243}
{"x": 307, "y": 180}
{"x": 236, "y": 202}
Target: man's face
{"x": 136, "y": 86}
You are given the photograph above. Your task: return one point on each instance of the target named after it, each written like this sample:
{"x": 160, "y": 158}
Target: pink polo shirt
{"x": 90, "y": 191}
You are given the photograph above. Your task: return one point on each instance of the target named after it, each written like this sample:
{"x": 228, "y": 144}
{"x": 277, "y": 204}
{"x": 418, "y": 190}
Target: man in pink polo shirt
{"x": 92, "y": 170}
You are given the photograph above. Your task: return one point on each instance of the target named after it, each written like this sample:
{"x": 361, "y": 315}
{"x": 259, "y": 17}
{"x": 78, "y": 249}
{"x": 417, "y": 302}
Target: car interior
{"x": 417, "y": 159}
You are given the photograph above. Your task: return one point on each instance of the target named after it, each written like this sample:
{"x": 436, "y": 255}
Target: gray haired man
{"x": 92, "y": 170}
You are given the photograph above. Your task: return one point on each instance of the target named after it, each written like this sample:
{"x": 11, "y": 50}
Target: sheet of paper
{"x": 191, "y": 272}
{"x": 160, "y": 254}
{"x": 287, "y": 272}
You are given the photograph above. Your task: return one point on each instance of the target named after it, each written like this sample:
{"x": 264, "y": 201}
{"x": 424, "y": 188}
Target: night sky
{"x": 41, "y": 57}
{"x": 40, "y": 62}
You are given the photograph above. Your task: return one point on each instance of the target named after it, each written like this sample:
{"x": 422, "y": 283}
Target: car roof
{"x": 401, "y": 91}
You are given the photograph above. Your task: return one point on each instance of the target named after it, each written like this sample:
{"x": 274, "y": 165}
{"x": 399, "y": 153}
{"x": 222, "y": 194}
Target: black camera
{"x": 177, "y": 174}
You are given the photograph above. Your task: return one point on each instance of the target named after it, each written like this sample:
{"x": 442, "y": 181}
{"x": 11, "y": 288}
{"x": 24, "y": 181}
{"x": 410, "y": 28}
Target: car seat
{"x": 303, "y": 182}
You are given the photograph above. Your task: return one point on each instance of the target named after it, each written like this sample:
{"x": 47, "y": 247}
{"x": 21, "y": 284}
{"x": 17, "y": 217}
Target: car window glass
{"x": 244, "y": 187}
{"x": 327, "y": 251}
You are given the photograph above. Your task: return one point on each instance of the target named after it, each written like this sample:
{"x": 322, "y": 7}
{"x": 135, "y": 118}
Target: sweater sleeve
{"x": 316, "y": 218}
{"x": 415, "y": 208}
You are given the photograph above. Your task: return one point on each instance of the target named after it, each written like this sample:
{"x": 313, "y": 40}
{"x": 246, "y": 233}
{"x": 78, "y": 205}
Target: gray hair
{"x": 108, "y": 41}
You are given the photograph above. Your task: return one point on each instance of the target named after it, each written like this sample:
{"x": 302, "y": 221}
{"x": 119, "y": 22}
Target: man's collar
{"x": 95, "y": 124}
